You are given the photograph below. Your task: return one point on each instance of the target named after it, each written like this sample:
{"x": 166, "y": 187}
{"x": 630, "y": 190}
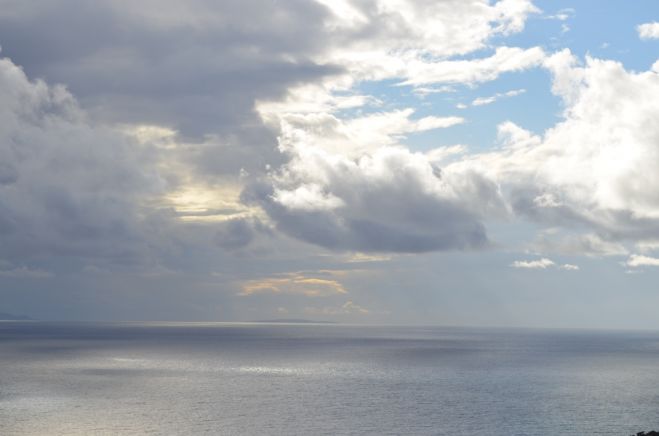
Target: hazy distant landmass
{"x": 295, "y": 321}
{"x": 10, "y": 317}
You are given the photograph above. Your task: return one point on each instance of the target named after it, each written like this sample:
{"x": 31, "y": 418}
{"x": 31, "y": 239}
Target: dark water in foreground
{"x": 257, "y": 379}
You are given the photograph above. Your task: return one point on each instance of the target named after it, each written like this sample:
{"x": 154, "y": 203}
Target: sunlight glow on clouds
{"x": 225, "y": 144}
{"x": 355, "y": 136}
{"x": 294, "y": 283}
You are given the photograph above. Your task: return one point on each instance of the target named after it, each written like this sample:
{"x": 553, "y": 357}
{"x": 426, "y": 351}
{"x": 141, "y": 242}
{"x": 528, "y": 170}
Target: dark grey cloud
{"x": 200, "y": 66}
{"x": 67, "y": 187}
{"x": 392, "y": 201}
{"x": 197, "y": 67}
{"x": 168, "y": 56}
{"x": 240, "y": 232}
{"x": 8, "y": 173}
{"x": 451, "y": 228}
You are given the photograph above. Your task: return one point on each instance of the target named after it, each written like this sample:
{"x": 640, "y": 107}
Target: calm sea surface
{"x": 266, "y": 379}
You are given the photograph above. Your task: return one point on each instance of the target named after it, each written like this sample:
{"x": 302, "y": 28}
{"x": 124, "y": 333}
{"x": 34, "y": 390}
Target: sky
{"x": 452, "y": 162}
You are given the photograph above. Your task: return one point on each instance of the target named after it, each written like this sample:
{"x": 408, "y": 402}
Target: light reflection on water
{"x": 318, "y": 379}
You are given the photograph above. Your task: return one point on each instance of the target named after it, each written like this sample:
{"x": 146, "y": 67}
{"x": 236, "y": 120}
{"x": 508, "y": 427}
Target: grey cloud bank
{"x": 68, "y": 187}
{"x": 196, "y": 147}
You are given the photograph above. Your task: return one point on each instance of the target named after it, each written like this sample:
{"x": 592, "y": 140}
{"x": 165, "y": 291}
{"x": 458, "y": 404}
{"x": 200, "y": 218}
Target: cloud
{"x": 588, "y": 244}
{"x": 400, "y": 38}
{"x": 596, "y": 168}
{"x": 424, "y": 91}
{"x": 443, "y": 154}
{"x": 238, "y": 233}
{"x": 562, "y": 15}
{"x": 585, "y": 171}
{"x": 482, "y": 101}
{"x": 362, "y": 258}
{"x": 346, "y": 183}
{"x": 388, "y": 200}
{"x": 648, "y": 30}
{"x": 350, "y": 185}
{"x": 639, "y": 260}
{"x": 68, "y": 187}
{"x": 647, "y": 246}
{"x": 172, "y": 101}
{"x": 504, "y": 60}
{"x": 543, "y": 263}
{"x": 294, "y": 283}
{"x": 600, "y": 163}
{"x": 195, "y": 68}
{"x": 166, "y": 63}
{"x": 200, "y": 68}
{"x": 356, "y": 135}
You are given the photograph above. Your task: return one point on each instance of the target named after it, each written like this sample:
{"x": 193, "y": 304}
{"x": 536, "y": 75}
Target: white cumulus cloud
{"x": 595, "y": 169}
{"x": 639, "y": 260}
{"x": 543, "y": 263}
{"x": 387, "y": 200}
{"x": 648, "y": 30}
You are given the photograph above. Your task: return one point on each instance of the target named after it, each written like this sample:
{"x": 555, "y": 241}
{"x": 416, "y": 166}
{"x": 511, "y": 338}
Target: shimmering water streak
{"x": 260, "y": 379}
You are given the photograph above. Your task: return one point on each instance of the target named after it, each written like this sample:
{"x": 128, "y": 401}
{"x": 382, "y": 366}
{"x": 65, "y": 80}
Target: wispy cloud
{"x": 561, "y": 15}
{"x": 424, "y": 91}
{"x": 505, "y": 59}
{"x": 482, "y": 101}
{"x": 589, "y": 244}
{"x": 543, "y": 263}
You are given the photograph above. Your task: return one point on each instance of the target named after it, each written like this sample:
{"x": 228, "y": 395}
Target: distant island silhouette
{"x": 10, "y": 317}
{"x": 294, "y": 321}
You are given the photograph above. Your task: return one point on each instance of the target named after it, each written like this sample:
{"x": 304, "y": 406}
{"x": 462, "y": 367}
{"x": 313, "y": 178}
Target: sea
{"x": 321, "y": 379}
